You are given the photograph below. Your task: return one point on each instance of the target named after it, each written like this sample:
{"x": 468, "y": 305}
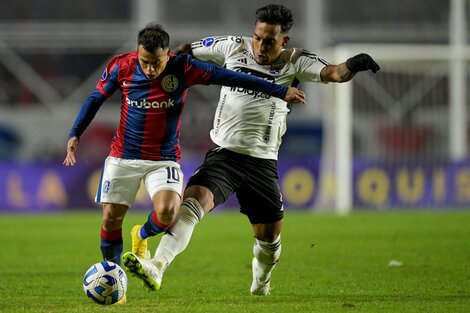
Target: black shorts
{"x": 254, "y": 180}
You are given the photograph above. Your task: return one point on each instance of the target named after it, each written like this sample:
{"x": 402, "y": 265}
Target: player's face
{"x": 268, "y": 42}
{"x": 154, "y": 63}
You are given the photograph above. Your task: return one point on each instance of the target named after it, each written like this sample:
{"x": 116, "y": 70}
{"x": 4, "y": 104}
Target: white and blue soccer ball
{"x": 105, "y": 283}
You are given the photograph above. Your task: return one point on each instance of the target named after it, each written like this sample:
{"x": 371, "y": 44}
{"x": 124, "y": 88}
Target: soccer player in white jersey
{"x": 247, "y": 131}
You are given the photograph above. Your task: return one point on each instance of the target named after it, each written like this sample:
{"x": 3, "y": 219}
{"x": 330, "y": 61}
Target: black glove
{"x": 362, "y": 62}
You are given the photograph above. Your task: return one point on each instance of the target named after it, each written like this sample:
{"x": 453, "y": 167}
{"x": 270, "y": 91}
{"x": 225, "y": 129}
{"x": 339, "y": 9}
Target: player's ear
{"x": 285, "y": 40}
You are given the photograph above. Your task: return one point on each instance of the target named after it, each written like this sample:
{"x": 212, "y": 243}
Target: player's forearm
{"x": 87, "y": 113}
{"x": 336, "y": 73}
{"x": 345, "y": 71}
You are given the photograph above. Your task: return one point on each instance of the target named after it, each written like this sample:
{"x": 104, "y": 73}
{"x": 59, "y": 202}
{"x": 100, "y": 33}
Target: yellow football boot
{"x": 139, "y": 246}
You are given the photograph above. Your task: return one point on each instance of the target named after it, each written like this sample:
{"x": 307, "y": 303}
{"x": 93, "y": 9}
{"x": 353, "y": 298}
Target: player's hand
{"x": 362, "y": 62}
{"x": 72, "y": 145}
{"x": 294, "y": 95}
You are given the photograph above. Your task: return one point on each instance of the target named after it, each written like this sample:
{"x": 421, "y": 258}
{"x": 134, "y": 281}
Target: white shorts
{"x": 121, "y": 179}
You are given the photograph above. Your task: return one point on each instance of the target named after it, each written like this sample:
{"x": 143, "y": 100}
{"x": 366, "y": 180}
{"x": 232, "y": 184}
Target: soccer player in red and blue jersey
{"x": 153, "y": 82}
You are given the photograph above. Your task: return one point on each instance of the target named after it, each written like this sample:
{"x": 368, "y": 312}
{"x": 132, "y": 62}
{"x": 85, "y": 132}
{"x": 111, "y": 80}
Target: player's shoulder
{"x": 122, "y": 64}
{"x": 183, "y": 62}
{"x": 211, "y": 41}
{"x": 125, "y": 58}
{"x": 173, "y": 56}
{"x": 179, "y": 58}
{"x": 126, "y": 55}
{"x": 299, "y": 53}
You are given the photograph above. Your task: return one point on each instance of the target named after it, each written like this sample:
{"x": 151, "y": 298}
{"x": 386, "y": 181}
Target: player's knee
{"x": 113, "y": 216}
{"x": 271, "y": 237}
{"x": 166, "y": 214}
{"x": 268, "y": 232}
{"x": 202, "y": 195}
{"x": 166, "y": 204}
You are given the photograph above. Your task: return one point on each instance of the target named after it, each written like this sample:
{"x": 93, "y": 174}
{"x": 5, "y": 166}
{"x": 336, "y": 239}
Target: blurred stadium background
{"x": 394, "y": 140}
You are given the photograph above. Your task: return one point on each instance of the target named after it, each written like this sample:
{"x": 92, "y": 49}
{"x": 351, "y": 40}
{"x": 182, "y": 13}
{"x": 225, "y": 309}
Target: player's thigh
{"x": 261, "y": 205}
{"x": 215, "y": 179}
{"x": 120, "y": 181}
{"x": 164, "y": 176}
{"x": 260, "y": 196}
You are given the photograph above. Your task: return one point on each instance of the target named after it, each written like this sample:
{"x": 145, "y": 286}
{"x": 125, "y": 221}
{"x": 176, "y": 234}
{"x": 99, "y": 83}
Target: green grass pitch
{"x": 328, "y": 264}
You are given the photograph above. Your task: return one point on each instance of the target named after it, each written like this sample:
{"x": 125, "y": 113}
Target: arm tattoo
{"x": 343, "y": 73}
{"x": 336, "y": 73}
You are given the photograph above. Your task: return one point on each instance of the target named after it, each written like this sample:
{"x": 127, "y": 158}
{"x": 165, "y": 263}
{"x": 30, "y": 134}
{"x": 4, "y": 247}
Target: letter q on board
{"x": 298, "y": 186}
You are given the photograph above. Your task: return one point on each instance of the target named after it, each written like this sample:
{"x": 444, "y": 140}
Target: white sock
{"x": 190, "y": 213}
{"x": 267, "y": 254}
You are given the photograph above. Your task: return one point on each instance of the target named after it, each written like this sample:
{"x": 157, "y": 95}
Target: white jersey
{"x": 247, "y": 121}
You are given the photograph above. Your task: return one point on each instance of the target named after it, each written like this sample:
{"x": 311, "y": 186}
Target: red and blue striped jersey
{"x": 150, "y": 120}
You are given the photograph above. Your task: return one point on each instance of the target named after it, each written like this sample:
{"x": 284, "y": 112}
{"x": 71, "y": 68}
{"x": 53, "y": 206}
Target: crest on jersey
{"x": 169, "y": 83}
{"x": 207, "y": 42}
{"x": 105, "y": 74}
{"x": 274, "y": 71}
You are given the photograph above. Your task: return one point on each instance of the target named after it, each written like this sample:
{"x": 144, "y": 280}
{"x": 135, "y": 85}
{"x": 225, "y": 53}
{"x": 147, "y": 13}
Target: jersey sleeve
{"x": 199, "y": 72}
{"x": 108, "y": 83}
{"x": 215, "y": 49}
{"x": 308, "y": 65}
{"x": 87, "y": 112}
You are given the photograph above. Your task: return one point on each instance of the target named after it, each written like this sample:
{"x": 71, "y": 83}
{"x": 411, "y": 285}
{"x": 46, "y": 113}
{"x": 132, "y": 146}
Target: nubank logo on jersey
{"x": 255, "y": 94}
{"x": 144, "y": 104}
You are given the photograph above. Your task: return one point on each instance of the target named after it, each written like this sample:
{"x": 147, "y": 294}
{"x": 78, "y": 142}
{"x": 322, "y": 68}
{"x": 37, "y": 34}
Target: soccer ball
{"x": 105, "y": 282}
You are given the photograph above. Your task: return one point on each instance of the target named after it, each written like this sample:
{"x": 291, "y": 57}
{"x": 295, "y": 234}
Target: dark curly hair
{"x": 152, "y": 37}
{"x": 276, "y": 14}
